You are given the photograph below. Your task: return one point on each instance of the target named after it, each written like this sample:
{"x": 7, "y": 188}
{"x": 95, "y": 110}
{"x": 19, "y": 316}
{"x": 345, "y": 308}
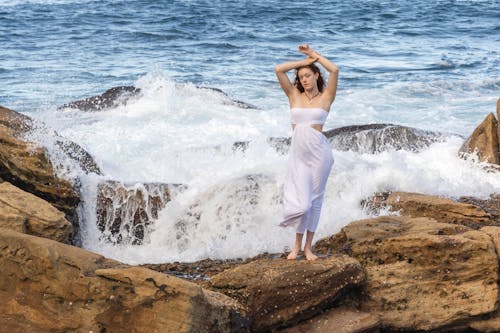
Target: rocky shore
{"x": 432, "y": 265}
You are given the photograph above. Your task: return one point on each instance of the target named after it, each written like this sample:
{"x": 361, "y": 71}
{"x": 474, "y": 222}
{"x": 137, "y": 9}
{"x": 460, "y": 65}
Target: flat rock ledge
{"x": 421, "y": 274}
{"x": 47, "y": 286}
{"x": 26, "y": 213}
{"x": 441, "y": 209}
{"x": 281, "y": 292}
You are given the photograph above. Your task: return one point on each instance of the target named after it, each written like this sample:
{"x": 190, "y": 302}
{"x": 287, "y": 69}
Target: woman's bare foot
{"x": 310, "y": 255}
{"x": 293, "y": 254}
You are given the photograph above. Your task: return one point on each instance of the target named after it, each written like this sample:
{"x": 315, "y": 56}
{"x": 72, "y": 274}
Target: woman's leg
{"x": 307, "y": 246}
{"x": 297, "y": 246}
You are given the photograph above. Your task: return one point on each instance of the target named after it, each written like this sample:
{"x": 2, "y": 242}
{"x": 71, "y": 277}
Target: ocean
{"x": 432, "y": 65}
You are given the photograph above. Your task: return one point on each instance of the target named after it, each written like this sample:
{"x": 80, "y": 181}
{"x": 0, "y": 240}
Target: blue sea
{"x": 433, "y": 65}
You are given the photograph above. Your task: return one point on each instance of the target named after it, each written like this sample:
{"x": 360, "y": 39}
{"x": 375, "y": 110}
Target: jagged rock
{"x": 126, "y": 211}
{"x": 376, "y": 138}
{"x": 110, "y": 98}
{"x": 421, "y": 274}
{"x": 441, "y": 209}
{"x": 27, "y": 166}
{"x": 484, "y": 140}
{"x": 46, "y": 286}
{"x": 281, "y": 292}
{"x": 338, "y": 320}
{"x": 24, "y": 212}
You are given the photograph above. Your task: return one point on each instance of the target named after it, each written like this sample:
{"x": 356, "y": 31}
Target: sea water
{"x": 430, "y": 65}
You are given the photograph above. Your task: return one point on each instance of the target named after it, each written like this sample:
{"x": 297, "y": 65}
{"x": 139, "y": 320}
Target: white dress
{"x": 309, "y": 165}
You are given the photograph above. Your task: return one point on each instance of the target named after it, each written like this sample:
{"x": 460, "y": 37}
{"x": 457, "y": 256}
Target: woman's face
{"x": 308, "y": 78}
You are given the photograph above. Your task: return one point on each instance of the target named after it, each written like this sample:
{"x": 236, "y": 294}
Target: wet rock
{"x": 421, "y": 274}
{"x": 110, "y": 98}
{"x": 338, "y": 320}
{"x": 490, "y": 205}
{"x": 46, "y": 286}
{"x": 441, "y": 209}
{"x": 484, "y": 140}
{"x": 281, "y": 292}
{"x": 230, "y": 101}
{"x": 125, "y": 212}
{"x": 28, "y": 167}
{"x": 24, "y": 212}
{"x": 376, "y": 138}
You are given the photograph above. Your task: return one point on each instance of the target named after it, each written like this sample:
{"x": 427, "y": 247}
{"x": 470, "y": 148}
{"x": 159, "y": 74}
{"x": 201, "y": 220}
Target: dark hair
{"x": 315, "y": 69}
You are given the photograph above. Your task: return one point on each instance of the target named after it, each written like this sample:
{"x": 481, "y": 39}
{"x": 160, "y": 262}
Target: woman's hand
{"x": 307, "y": 50}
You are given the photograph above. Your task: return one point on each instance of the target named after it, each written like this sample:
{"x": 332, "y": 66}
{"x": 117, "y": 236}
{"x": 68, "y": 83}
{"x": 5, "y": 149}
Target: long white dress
{"x": 309, "y": 165}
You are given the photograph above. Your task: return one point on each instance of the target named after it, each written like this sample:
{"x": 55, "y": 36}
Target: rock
{"x": 27, "y": 166}
{"x": 110, "y": 98}
{"x": 376, "y": 138}
{"x": 492, "y": 322}
{"x": 484, "y": 140}
{"x": 24, "y": 212}
{"x": 421, "y": 274}
{"x": 281, "y": 292}
{"x": 490, "y": 205}
{"x": 441, "y": 209}
{"x": 46, "y": 286}
{"x": 338, "y": 320}
{"x": 230, "y": 101}
{"x": 126, "y": 211}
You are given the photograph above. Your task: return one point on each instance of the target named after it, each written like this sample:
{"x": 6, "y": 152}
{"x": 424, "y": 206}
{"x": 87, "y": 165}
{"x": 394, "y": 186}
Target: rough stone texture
{"x": 46, "y": 286}
{"x": 492, "y": 323}
{"x": 338, "y": 320}
{"x": 421, "y": 274}
{"x": 126, "y": 211}
{"x": 484, "y": 140}
{"x": 28, "y": 167}
{"x": 24, "y": 212}
{"x": 441, "y": 209}
{"x": 490, "y": 205}
{"x": 283, "y": 292}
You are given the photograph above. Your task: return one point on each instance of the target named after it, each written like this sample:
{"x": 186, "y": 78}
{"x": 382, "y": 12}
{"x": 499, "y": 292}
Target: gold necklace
{"x": 311, "y": 98}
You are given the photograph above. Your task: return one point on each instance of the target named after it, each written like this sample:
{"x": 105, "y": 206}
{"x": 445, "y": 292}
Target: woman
{"x": 311, "y": 157}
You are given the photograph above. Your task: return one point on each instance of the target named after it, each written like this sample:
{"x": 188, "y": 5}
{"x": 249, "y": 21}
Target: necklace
{"x": 310, "y": 98}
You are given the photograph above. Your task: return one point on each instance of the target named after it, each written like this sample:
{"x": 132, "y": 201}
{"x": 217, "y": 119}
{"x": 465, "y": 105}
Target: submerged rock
{"x": 126, "y": 211}
{"x": 371, "y": 138}
{"x": 438, "y": 208}
{"x": 484, "y": 141}
{"x": 24, "y": 212}
{"x": 281, "y": 292}
{"x": 46, "y": 286}
{"x": 110, "y": 98}
{"x": 376, "y": 138}
{"x": 421, "y": 274}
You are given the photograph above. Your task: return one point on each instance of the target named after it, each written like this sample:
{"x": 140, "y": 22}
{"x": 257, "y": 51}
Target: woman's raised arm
{"x": 332, "y": 69}
{"x": 281, "y": 70}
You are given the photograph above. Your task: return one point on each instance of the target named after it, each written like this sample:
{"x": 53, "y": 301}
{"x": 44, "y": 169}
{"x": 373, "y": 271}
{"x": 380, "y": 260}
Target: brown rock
{"x": 46, "y": 286}
{"x": 338, "y": 320}
{"x": 282, "y": 292}
{"x": 24, "y": 212}
{"x": 438, "y": 208}
{"x": 126, "y": 211}
{"x": 492, "y": 322}
{"x": 421, "y": 274}
{"x": 484, "y": 140}
{"x": 28, "y": 167}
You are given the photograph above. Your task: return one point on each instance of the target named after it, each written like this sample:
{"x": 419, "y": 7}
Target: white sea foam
{"x": 179, "y": 133}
